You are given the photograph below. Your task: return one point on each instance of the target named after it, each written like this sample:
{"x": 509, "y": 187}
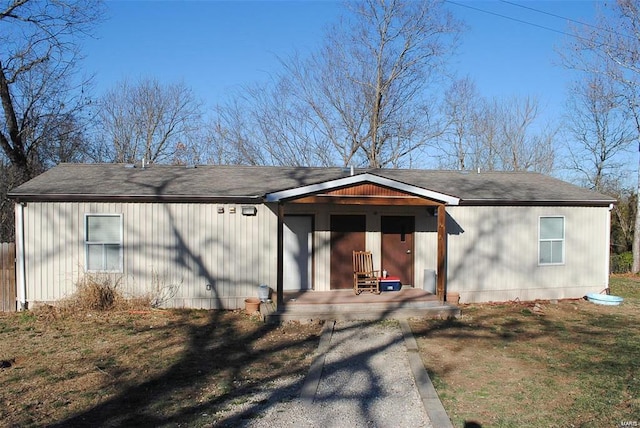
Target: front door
{"x": 298, "y": 246}
{"x": 397, "y": 247}
{"x": 347, "y": 236}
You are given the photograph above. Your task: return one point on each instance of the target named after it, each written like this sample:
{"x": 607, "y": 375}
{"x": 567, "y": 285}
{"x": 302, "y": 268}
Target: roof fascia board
{"x": 357, "y": 179}
{"x": 541, "y": 203}
{"x": 133, "y": 198}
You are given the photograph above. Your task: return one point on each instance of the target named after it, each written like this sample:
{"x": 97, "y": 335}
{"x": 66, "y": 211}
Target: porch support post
{"x": 441, "y": 273}
{"x": 280, "y": 264}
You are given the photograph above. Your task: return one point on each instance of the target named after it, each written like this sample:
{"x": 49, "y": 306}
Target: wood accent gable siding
{"x": 366, "y": 189}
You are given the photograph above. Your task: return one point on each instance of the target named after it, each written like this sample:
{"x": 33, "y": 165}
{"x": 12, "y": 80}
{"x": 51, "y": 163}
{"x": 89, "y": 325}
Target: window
{"x": 103, "y": 242}
{"x": 551, "y": 241}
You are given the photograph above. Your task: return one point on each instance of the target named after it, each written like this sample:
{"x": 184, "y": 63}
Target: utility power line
{"x": 585, "y": 24}
{"x": 522, "y": 21}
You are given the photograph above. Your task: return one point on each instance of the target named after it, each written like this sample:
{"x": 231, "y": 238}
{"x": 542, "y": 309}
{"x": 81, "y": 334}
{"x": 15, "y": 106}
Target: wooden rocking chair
{"x": 364, "y": 276}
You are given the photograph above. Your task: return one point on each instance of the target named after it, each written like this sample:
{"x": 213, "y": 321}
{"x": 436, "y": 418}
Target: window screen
{"x": 103, "y": 241}
{"x": 551, "y": 241}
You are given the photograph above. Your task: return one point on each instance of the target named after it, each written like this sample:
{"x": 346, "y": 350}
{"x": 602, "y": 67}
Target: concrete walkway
{"x": 364, "y": 374}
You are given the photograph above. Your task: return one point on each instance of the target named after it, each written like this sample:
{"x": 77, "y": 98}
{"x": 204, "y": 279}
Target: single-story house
{"x": 208, "y": 236}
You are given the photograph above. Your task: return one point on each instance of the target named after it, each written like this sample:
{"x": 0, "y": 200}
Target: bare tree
{"x": 485, "y": 132}
{"x": 462, "y": 110}
{"x": 623, "y": 218}
{"x": 599, "y": 132}
{"x": 363, "y": 98}
{"x": 293, "y": 141}
{"x": 523, "y": 146}
{"x": 228, "y": 136}
{"x": 370, "y": 83}
{"x": 37, "y": 59}
{"x": 148, "y": 120}
{"x": 611, "y": 48}
{"x": 42, "y": 96}
{"x": 496, "y": 134}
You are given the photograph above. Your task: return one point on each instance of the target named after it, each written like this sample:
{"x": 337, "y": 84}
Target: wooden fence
{"x": 7, "y": 277}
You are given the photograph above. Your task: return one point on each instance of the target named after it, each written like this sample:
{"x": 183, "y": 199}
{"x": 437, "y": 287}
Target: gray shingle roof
{"x": 252, "y": 183}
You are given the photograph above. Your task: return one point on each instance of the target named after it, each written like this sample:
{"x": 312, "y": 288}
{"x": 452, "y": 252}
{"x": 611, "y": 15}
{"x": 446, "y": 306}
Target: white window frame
{"x": 88, "y": 243}
{"x": 562, "y": 240}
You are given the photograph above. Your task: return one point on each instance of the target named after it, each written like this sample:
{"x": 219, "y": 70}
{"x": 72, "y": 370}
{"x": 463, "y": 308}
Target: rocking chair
{"x": 364, "y": 276}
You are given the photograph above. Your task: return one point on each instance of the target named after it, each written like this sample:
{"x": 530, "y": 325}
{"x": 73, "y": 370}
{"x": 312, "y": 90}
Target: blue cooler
{"x": 390, "y": 283}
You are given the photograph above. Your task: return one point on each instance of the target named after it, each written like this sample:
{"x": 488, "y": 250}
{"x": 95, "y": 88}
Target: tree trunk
{"x": 636, "y": 229}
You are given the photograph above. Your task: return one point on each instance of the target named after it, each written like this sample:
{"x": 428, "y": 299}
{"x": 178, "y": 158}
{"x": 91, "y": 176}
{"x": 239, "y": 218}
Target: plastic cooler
{"x": 390, "y": 283}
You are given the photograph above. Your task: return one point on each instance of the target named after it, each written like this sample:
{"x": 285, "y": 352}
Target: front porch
{"x": 306, "y": 306}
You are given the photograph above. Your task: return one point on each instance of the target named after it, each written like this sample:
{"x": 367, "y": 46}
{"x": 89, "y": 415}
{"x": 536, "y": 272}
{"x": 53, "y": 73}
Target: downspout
{"x": 607, "y": 263}
{"x": 21, "y": 282}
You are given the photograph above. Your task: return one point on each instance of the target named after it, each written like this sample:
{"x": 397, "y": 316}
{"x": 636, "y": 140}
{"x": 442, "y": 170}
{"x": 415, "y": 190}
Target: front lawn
{"x": 146, "y": 367}
{"x": 570, "y": 363}
{"x": 565, "y": 364}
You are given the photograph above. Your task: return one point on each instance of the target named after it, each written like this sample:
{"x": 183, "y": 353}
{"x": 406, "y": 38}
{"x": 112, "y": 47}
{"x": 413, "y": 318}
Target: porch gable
{"x": 361, "y": 189}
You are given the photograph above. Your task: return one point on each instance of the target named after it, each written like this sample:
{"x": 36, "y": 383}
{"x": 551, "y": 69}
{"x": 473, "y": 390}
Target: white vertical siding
{"x": 52, "y": 256}
{"x": 185, "y": 245}
{"x": 493, "y": 253}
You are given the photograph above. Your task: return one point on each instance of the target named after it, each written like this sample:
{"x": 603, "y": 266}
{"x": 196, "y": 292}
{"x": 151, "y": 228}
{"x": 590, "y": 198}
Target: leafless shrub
{"x": 97, "y": 292}
{"x": 162, "y": 290}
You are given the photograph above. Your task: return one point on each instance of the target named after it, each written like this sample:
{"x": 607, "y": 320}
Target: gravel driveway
{"x": 364, "y": 377}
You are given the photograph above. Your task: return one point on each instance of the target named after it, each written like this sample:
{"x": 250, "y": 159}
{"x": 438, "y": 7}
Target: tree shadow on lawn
{"x": 589, "y": 330}
{"x": 214, "y": 350}
{"x": 598, "y": 348}
{"x": 174, "y": 397}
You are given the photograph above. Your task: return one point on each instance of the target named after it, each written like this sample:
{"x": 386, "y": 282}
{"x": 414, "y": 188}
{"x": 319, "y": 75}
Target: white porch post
{"x": 280, "y": 265}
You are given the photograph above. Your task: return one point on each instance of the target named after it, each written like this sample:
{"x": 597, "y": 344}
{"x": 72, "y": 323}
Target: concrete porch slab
{"x": 311, "y": 306}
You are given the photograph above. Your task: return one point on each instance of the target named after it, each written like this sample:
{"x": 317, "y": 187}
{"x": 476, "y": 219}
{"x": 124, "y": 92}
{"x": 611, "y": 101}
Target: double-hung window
{"x": 551, "y": 241}
{"x": 103, "y": 242}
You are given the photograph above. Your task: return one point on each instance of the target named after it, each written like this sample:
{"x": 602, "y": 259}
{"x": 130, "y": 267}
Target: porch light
{"x": 249, "y": 210}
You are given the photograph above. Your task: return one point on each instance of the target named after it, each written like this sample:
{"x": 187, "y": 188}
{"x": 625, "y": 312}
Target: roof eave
{"x": 546, "y": 203}
{"x": 71, "y": 197}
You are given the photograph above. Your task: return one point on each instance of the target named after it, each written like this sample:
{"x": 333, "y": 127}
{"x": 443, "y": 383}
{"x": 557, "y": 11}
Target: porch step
{"x": 354, "y": 311}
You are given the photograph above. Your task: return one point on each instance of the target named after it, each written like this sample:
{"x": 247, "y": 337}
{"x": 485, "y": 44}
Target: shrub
{"x": 98, "y": 292}
{"x": 162, "y": 289}
{"x": 621, "y": 263}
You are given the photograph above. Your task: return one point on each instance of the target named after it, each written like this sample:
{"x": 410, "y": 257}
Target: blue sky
{"x": 215, "y": 46}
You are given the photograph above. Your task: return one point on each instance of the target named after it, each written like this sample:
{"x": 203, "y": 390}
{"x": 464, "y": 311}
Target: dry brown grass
{"x": 142, "y": 367}
{"x": 569, "y": 364}
{"x": 565, "y": 364}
